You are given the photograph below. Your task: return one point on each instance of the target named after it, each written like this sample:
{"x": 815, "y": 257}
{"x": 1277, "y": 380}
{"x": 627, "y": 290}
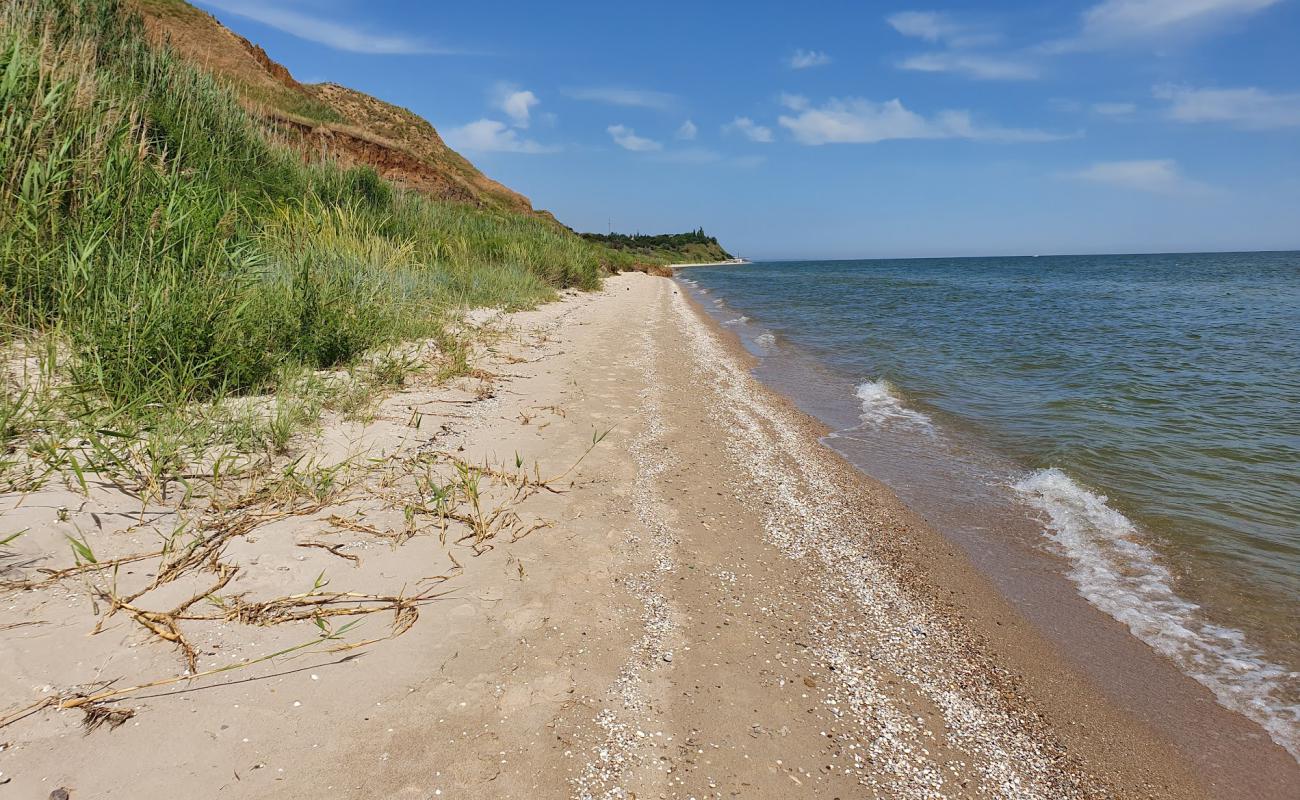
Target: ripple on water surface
{"x": 1148, "y": 408}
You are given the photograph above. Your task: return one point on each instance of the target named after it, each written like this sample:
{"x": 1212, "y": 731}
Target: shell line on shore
{"x": 869, "y": 627}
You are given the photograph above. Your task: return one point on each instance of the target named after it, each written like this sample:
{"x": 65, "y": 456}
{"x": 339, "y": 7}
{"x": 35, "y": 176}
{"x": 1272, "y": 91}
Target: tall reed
{"x": 148, "y": 223}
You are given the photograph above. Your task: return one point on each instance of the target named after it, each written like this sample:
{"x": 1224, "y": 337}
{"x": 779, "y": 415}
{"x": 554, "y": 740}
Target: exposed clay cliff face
{"x": 328, "y": 119}
{"x": 275, "y": 70}
{"x": 412, "y": 133}
{"x": 389, "y": 160}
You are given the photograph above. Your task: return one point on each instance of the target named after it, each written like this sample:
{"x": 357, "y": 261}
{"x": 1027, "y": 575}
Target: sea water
{"x": 1140, "y": 414}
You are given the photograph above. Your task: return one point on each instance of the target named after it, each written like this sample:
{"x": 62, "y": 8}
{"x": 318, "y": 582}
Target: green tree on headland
{"x": 696, "y": 244}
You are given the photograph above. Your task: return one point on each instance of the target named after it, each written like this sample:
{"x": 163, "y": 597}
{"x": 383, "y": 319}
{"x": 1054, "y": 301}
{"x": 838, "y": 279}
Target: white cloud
{"x": 749, "y": 129}
{"x": 1141, "y": 17}
{"x": 1250, "y": 108}
{"x": 632, "y": 98}
{"x": 972, "y": 65}
{"x": 687, "y": 131}
{"x": 492, "y": 136}
{"x": 957, "y": 38}
{"x": 1158, "y": 176}
{"x": 517, "y": 103}
{"x": 1114, "y": 109}
{"x": 805, "y": 59}
{"x": 338, "y": 35}
{"x": 1119, "y": 22}
{"x": 626, "y": 138}
{"x": 794, "y": 102}
{"x": 934, "y": 26}
{"x": 858, "y": 121}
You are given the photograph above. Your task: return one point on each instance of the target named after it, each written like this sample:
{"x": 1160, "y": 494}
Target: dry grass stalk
{"x": 333, "y": 549}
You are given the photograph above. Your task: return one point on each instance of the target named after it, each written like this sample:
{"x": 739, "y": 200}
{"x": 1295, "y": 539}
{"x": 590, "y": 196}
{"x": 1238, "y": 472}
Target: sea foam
{"x": 880, "y": 405}
{"x": 1122, "y": 575}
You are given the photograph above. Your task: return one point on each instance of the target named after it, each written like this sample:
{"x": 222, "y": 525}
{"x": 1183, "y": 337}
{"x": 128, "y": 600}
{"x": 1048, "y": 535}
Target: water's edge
{"x": 971, "y": 497}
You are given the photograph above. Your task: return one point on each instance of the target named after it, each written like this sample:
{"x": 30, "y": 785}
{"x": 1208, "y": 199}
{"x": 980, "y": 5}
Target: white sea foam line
{"x": 807, "y": 518}
{"x": 1120, "y": 574}
{"x": 880, "y": 405}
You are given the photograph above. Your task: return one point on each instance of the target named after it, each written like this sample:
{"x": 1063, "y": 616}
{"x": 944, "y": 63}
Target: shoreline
{"x": 1075, "y": 712}
{"x": 1035, "y": 647}
{"x": 704, "y": 602}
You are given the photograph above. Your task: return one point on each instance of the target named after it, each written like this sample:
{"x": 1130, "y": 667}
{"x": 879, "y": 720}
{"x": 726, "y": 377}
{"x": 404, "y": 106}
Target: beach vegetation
{"x": 160, "y": 250}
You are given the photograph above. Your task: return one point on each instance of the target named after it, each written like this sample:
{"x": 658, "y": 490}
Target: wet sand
{"x": 716, "y": 605}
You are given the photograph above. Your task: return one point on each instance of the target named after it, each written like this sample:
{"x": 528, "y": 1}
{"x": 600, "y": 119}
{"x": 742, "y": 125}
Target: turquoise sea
{"x": 1140, "y": 412}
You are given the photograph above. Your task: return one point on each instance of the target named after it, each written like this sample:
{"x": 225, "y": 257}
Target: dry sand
{"x": 714, "y": 606}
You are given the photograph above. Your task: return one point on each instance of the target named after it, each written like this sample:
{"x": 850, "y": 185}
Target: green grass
{"x": 167, "y": 253}
{"x": 269, "y": 93}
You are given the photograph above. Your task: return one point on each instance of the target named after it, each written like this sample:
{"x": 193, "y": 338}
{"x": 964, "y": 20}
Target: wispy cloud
{"x": 794, "y": 102}
{"x": 956, "y": 56}
{"x": 859, "y": 121}
{"x": 492, "y": 136}
{"x": 688, "y": 131}
{"x": 935, "y": 26}
{"x": 627, "y": 139}
{"x": 1114, "y": 109}
{"x": 338, "y": 35}
{"x": 517, "y": 103}
{"x": 806, "y": 59}
{"x": 972, "y": 65}
{"x": 750, "y": 129}
{"x": 1250, "y": 108}
{"x": 1157, "y": 176}
{"x": 616, "y": 96}
{"x": 1126, "y": 22}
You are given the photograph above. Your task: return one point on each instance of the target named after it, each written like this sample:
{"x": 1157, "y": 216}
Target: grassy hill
{"x": 694, "y": 247}
{"x": 166, "y": 245}
{"x": 351, "y": 127}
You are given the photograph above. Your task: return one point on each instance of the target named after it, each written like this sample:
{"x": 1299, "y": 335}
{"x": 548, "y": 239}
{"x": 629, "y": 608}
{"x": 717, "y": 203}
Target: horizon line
{"x": 757, "y": 259}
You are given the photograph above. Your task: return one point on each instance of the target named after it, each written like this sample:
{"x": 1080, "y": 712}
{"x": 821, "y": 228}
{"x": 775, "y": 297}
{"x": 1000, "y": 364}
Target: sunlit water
{"x": 1145, "y": 410}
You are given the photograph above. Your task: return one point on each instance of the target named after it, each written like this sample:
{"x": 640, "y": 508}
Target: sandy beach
{"x": 663, "y": 587}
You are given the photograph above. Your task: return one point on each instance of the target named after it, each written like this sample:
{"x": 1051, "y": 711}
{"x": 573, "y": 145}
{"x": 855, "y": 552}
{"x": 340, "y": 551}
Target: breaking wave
{"x": 1116, "y": 571}
{"x": 880, "y": 405}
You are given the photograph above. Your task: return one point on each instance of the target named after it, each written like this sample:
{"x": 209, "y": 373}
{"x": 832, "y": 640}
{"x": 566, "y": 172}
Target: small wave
{"x": 1121, "y": 575}
{"x": 765, "y": 339}
{"x": 880, "y": 405}
{"x": 742, "y": 319}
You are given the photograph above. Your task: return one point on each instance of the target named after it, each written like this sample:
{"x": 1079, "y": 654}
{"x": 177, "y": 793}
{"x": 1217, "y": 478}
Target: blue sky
{"x": 848, "y": 129}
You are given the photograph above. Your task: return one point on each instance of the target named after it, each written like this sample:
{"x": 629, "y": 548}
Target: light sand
{"x": 716, "y": 607}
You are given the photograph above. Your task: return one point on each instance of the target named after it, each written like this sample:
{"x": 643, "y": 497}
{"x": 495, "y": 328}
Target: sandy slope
{"x": 717, "y": 608}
